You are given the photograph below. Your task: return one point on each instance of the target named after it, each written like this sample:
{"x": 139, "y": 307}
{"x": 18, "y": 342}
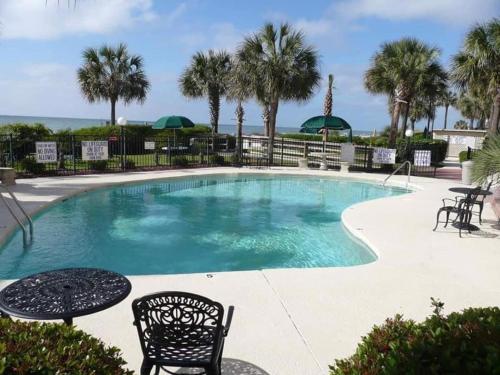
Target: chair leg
{"x": 146, "y": 367}
{"x": 447, "y": 218}
{"x": 437, "y": 220}
{"x": 481, "y": 205}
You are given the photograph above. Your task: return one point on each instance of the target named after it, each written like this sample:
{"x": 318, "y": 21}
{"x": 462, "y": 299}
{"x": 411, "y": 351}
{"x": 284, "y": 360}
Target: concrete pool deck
{"x": 297, "y": 321}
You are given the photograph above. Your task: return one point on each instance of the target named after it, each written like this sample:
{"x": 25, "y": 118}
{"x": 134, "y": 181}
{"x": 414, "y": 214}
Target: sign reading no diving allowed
{"x": 94, "y": 150}
{"x": 46, "y": 152}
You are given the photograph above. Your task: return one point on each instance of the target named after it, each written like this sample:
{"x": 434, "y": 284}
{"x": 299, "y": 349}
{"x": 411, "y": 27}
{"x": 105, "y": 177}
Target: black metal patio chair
{"x": 461, "y": 208}
{"x": 178, "y": 329}
{"x": 479, "y": 202}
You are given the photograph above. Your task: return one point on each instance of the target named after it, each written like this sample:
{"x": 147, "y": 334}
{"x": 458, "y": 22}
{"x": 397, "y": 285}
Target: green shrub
{"x": 217, "y": 159}
{"x": 129, "y": 164}
{"x": 487, "y": 162}
{"x": 380, "y": 142}
{"x": 460, "y": 343}
{"x": 30, "y": 165}
{"x": 98, "y": 165}
{"x": 235, "y": 160}
{"x": 462, "y": 156}
{"x": 437, "y": 147}
{"x": 180, "y": 161}
{"x": 22, "y": 131}
{"x": 49, "y": 348}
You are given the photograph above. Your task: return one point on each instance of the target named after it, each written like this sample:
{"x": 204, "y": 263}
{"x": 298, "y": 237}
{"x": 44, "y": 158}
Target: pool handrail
{"x": 16, "y": 216}
{"x": 397, "y": 170}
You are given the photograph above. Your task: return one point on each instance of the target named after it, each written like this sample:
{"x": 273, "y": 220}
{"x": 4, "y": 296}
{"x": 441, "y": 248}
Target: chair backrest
{"x": 468, "y": 202}
{"x": 483, "y": 196}
{"x": 174, "y": 319}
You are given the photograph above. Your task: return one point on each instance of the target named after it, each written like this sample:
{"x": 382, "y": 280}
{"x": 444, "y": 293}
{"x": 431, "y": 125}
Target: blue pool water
{"x": 198, "y": 225}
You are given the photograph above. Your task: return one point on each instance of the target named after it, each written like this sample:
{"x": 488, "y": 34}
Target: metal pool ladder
{"x": 397, "y": 170}
{"x": 20, "y": 220}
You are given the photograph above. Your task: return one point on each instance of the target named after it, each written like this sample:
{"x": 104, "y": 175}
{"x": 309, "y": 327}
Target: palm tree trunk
{"x": 394, "y": 123}
{"x": 214, "y": 104}
{"x": 445, "y": 115}
{"x": 405, "y": 118}
{"x": 265, "y": 119}
{"x": 273, "y": 112}
{"x": 494, "y": 121}
{"x": 113, "y": 111}
{"x": 240, "y": 113}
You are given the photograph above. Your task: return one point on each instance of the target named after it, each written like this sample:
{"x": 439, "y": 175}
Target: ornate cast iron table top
{"x": 466, "y": 190}
{"x": 64, "y": 294}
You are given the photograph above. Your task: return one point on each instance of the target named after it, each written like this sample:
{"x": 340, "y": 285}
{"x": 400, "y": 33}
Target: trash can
{"x": 467, "y": 172}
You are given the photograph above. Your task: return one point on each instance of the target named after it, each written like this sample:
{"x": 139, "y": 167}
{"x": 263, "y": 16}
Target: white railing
{"x": 397, "y": 170}
{"x": 20, "y": 220}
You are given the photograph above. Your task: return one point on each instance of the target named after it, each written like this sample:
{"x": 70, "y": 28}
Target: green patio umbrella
{"x": 317, "y": 123}
{"x": 173, "y": 122}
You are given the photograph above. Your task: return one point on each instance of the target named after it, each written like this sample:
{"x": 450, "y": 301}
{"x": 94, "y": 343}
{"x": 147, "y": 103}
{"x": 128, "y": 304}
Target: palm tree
{"x": 475, "y": 67}
{"x": 448, "y": 98}
{"x": 417, "y": 111}
{"x": 282, "y": 67}
{"x": 111, "y": 74}
{"x": 461, "y": 125}
{"x": 473, "y": 108}
{"x": 327, "y": 107}
{"x": 400, "y": 69}
{"x": 486, "y": 165}
{"x": 207, "y": 76}
{"x": 239, "y": 90}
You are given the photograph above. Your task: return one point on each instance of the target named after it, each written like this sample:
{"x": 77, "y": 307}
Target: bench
{"x": 7, "y": 176}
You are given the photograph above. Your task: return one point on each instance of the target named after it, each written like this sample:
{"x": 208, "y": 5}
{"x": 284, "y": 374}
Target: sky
{"x": 41, "y": 44}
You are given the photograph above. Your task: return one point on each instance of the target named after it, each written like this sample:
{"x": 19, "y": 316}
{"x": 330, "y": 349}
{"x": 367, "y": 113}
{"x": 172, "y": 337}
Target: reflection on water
{"x": 198, "y": 225}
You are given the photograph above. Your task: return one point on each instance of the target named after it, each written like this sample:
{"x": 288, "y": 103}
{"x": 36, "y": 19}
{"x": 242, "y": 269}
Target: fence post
{"x": 123, "y": 151}
{"x": 73, "y": 149}
{"x": 365, "y": 161}
{"x": 169, "y": 152}
{"x": 11, "y": 155}
{"x": 281, "y": 163}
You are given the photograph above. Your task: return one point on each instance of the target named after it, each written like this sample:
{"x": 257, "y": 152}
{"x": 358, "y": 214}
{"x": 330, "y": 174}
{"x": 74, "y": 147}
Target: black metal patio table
{"x": 466, "y": 190}
{"x": 64, "y": 294}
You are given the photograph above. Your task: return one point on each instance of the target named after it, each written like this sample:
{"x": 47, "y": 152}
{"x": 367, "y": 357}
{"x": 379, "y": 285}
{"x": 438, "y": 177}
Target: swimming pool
{"x": 204, "y": 224}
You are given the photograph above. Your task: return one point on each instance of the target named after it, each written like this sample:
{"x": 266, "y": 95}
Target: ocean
{"x": 59, "y": 123}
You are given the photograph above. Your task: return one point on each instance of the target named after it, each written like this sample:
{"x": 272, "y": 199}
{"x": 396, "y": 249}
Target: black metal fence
{"x": 128, "y": 153}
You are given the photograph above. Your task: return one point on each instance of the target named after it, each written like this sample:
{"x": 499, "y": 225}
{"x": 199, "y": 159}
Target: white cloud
{"x": 43, "y": 69}
{"x": 177, "y": 13}
{"x": 218, "y": 36}
{"x": 31, "y": 19}
{"x": 445, "y": 11}
{"x": 315, "y": 28}
{"x": 226, "y": 36}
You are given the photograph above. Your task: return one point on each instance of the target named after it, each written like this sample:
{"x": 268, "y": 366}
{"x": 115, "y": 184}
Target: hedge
{"x": 465, "y": 342}
{"x": 22, "y": 131}
{"x": 51, "y": 348}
